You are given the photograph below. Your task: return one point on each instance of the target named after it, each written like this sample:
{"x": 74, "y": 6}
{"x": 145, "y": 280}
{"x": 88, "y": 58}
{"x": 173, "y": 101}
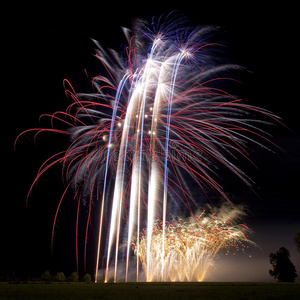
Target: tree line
{"x": 11, "y": 276}
{"x": 61, "y": 277}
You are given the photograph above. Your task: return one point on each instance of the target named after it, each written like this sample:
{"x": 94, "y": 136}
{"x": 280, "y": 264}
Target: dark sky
{"x": 46, "y": 44}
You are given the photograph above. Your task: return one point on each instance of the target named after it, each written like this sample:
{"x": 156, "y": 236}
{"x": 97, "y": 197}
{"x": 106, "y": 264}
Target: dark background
{"x": 47, "y": 43}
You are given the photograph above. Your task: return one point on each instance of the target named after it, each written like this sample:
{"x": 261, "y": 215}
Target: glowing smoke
{"x": 191, "y": 244}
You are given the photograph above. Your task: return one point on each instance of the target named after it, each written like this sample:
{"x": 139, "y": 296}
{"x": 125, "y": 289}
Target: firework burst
{"x": 160, "y": 118}
{"x": 191, "y": 244}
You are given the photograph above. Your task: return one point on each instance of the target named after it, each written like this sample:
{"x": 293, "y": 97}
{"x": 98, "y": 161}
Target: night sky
{"x": 46, "y": 44}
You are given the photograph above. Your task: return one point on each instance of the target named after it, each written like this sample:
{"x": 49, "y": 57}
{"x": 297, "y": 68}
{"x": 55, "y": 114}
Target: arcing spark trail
{"x": 160, "y": 118}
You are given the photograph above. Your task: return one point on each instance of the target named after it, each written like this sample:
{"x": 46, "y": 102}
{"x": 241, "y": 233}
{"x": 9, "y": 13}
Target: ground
{"x": 144, "y": 291}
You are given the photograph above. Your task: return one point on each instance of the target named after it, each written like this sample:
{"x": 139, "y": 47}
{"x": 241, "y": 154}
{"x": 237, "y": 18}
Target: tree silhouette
{"x": 74, "y": 277}
{"x": 46, "y": 276}
{"x": 87, "y": 278}
{"x": 297, "y": 240}
{"x": 283, "y": 269}
{"x": 60, "y": 276}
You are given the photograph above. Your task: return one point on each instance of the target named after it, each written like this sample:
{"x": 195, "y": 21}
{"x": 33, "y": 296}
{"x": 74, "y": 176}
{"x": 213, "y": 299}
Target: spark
{"x": 161, "y": 118}
{"x": 190, "y": 244}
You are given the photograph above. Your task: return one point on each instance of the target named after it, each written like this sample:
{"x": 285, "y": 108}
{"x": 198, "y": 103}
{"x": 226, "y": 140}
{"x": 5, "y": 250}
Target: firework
{"x": 160, "y": 118}
{"x": 190, "y": 244}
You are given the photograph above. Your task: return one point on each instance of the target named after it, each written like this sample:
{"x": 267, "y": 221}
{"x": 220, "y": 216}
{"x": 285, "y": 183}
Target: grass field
{"x": 145, "y": 291}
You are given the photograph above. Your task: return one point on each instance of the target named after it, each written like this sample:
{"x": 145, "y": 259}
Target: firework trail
{"x": 160, "y": 118}
{"x": 191, "y": 244}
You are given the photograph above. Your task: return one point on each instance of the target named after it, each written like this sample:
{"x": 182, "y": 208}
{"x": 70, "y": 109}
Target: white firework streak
{"x": 161, "y": 115}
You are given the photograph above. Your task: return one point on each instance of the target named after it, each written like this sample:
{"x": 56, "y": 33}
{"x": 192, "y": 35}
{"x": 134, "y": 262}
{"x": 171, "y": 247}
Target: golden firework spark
{"x": 190, "y": 244}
